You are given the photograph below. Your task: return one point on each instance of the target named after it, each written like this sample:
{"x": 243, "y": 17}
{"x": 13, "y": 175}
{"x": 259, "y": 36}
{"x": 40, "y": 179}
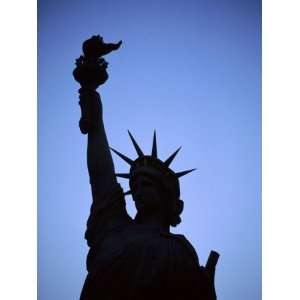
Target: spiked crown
{"x": 148, "y": 162}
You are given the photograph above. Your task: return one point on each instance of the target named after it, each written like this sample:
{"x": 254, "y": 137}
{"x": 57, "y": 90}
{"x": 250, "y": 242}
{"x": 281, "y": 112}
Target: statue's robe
{"x": 130, "y": 261}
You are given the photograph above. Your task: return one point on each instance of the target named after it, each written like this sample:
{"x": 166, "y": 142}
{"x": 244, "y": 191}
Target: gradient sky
{"x": 192, "y": 71}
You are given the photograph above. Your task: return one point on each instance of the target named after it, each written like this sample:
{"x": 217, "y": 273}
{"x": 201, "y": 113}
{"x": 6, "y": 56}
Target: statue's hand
{"x": 91, "y": 110}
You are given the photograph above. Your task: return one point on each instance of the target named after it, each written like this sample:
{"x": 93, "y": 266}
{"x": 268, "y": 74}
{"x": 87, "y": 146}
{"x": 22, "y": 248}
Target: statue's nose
{"x": 138, "y": 192}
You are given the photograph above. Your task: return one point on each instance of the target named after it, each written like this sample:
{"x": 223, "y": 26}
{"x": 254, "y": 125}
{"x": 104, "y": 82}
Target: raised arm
{"x": 108, "y": 209}
{"x": 99, "y": 160}
{"x": 90, "y": 72}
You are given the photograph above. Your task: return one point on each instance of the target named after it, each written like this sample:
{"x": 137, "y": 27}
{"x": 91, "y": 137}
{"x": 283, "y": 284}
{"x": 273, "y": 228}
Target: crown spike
{"x": 170, "y": 159}
{"x": 154, "y": 146}
{"x": 180, "y": 174}
{"x": 128, "y": 193}
{"x": 128, "y": 160}
{"x": 123, "y": 175}
{"x": 136, "y": 146}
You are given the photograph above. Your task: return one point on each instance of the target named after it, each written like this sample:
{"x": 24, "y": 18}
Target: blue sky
{"x": 192, "y": 71}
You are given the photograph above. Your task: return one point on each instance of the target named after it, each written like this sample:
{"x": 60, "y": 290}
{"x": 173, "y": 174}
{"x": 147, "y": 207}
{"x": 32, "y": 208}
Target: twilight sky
{"x": 192, "y": 71}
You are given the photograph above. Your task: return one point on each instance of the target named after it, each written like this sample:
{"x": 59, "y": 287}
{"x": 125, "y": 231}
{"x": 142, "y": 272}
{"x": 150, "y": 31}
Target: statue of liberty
{"x": 136, "y": 258}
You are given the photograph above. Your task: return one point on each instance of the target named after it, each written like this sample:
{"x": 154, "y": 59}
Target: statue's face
{"x": 147, "y": 195}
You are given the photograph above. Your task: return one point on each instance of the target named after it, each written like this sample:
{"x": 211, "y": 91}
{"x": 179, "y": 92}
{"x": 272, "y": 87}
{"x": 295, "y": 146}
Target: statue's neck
{"x": 155, "y": 221}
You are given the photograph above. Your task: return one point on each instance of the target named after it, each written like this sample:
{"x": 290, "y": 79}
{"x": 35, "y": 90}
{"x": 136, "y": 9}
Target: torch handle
{"x": 91, "y": 110}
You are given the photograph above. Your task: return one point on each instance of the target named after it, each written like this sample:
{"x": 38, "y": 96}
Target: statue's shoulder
{"x": 107, "y": 214}
{"x": 184, "y": 242}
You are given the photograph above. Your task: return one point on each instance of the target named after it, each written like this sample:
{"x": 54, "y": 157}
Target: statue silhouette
{"x": 133, "y": 258}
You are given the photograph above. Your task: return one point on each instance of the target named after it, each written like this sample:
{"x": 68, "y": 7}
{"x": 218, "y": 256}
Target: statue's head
{"x": 153, "y": 193}
{"x": 153, "y": 185}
